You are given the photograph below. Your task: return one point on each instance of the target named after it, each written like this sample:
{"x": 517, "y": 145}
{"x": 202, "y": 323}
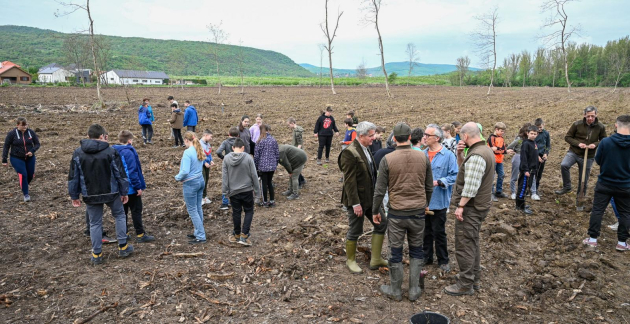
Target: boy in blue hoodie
{"x": 613, "y": 154}
{"x": 190, "y": 116}
{"x": 133, "y": 169}
{"x": 145, "y": 119}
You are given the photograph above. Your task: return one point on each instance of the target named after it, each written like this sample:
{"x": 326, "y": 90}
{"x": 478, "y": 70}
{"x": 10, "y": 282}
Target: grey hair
{"x": 364, "y": 128}
{"x": 471, "y": 129}
{"x": 438, "y": 131}
{"x": 590, "y": 109}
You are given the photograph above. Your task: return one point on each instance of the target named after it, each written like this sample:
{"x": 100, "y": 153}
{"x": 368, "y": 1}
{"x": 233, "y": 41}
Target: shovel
{"x": 581, "y": 198}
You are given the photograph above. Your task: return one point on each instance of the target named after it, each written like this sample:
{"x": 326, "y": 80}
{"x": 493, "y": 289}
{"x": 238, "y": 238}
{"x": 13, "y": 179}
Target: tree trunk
{"x": 332, "y": 82}
{"x": 216, "y": 58}
{"x": 380, "y": 46}
{"x": 494, "y": 53}
{"x": 96, "y": 68}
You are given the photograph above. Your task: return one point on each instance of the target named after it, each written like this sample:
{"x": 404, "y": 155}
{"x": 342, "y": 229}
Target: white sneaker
{"x": 513, "y": 196}
{"x": 614, "y": 226}
{"x": 203, "y": 201}
{"x": 535, "y": 197}
{"x": 208, "y": 201}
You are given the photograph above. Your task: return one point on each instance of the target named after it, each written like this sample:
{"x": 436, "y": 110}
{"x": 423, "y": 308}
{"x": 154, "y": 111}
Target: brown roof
{"x": 8, "y": 65}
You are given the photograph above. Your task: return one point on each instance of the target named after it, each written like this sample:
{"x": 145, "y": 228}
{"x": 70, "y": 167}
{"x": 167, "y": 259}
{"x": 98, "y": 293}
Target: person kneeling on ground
{"x": 240, "y": 184}
{"x": 293, "y": 160}
{"x": 92, "y": 163}
{"x": 133, "y": 169}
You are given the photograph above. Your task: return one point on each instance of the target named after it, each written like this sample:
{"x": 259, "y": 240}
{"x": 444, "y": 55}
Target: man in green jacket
{"x": 583, "y": 134}
{"x": 293, "y": 160}
{"x": 359, "y": 177}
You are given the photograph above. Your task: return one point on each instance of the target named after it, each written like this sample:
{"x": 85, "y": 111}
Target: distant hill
{"x": 401, "y": 68}
{"x": 34, "y": 48}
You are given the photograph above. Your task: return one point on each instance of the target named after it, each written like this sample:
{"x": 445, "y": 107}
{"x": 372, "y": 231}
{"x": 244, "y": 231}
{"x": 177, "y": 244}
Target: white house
{"x": 134, "y": 77}
{"x": 53, "y": 73}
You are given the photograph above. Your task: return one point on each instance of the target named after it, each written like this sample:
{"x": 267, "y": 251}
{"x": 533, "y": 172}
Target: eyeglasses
{"x": 428, "y": 135}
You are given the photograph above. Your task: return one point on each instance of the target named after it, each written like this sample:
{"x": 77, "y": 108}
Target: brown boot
{"x": 456, "y": 290}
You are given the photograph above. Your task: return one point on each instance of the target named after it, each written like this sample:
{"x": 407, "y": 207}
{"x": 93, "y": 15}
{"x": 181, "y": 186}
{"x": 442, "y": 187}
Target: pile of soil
{"x": 534, "y": 267}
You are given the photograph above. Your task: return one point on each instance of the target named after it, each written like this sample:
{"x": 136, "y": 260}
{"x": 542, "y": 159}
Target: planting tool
{"x": 581, "y": 197}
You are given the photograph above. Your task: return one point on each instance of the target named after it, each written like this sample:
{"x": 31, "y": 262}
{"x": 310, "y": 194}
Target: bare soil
{"x": 535, "y": 268}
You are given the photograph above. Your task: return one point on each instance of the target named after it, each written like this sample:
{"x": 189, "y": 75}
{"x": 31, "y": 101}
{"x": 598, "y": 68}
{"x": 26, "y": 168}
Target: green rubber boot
{"x": 415, "y": 267}
{"x": 351, "y": 262}
{"x": 394, "y": 290}
{"x": 377, "y": 260}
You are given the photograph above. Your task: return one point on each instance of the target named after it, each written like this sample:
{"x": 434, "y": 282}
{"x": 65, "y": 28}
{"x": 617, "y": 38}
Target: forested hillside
{"x": 34, "y": 47}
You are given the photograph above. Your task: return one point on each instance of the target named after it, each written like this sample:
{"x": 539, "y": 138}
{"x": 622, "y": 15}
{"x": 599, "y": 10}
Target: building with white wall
{"x": 131, "y": 77}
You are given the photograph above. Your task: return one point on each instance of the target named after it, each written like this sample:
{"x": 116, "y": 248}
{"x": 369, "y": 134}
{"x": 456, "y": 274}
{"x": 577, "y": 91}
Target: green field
{"x": 230, "y": 81}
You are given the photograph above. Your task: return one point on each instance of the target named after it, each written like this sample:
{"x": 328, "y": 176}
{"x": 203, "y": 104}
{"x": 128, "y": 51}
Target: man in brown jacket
{"x": 473, "y": 198}
{"x": 359, "y": 176}
{"x": 177, "y": 123}
{"x": 406, "y": 174}
{"x": 585, "y": 133}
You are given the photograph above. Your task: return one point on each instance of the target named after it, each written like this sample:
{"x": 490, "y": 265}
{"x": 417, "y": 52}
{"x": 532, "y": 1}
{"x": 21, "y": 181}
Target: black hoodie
{"x": 20, "y": 143}
{"x": 529, "y": 156}
{"x": 97, "y": 173}
{"x": 325, "y": 126}
{"x": 613, "y": 156}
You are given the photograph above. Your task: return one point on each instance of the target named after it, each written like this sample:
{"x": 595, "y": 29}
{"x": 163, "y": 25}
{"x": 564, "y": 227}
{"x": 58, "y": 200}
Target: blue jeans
{"x": 614, "y": 207}
{"x": 500, "y": 175}
{"x": 225, "y": 200}
{"x": 25, "y": 169}
{"x": 193, "y": 193}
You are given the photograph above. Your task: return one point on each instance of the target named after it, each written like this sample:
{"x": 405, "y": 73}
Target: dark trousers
{"x": 191, "y": 128}
{"x": 601, "y": 199}
{"x": 135, "y": 205}
{"x": 399, "y": 226}
{"x": 524, "y": 184}
{"x": 177, "y": 134}
{"x": 435, "y": 231}
{"x": 147, "y": 132}
{"x": 25, "y": 169}
{"x": 206, "y": 174}
{"x": 565, "y": 168}
{"x": 240, "y": 202}
{"x": 267, "y": 185}
{"x": 301, "y": 180}
{"x": 356, "y": 223}
{"x": 539, "y": 173}
{"x": 324, "y": 141}
{"x": 467, "y": 249}
{"x": 252, "y": 147}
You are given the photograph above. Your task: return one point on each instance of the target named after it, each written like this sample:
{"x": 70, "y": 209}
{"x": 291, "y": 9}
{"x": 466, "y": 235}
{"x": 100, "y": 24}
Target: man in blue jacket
{"x": 613, "y": 157}
{"x": 133, "y": 169}
{"x": 145, "y": 119}
{"x": 444, "y": 168}
{"x": 97, "y": 174}
{"x": 190, "y": 116}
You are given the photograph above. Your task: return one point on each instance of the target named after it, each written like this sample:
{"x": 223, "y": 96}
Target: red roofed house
{"x": 13, "y": 73}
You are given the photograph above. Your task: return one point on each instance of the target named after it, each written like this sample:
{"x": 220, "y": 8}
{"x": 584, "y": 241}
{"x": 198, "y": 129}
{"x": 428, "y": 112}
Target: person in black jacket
{"x": 97, "y": 173}
{"x": 22, "y": 142}
{"x": 528, "y": 168}
{"x": 324, "y": 128}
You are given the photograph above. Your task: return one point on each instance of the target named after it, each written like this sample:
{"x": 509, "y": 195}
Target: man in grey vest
{"x": 406, "y": 175}
{"x": 473, "y": 198}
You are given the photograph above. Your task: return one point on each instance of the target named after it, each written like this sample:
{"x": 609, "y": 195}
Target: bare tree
{"x": 322, "y": 47}
{"x": 462, "y": 68}
{"x": 76, "y": 49}
{"x": 526, "y": 65}
{"x": 485, "y": 39}
{"x": 414, "y": 57}
{"x": 241, "y": 63}
{"x": 372, "y": 9}
{"x": 361, "y": 70}
{"x": 218, "y": 36}
{"x": 559, "y": 38}
{"x": 73, "y": 7}
{"x": 330, "y": 38}
{"x": 619, "y": 63}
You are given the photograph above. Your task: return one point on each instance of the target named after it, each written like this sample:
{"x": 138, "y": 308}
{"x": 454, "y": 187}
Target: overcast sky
{"x": 439, "y": 28}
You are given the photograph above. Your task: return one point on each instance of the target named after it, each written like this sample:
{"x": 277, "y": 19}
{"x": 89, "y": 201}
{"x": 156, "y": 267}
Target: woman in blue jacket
{"x": 22, "y": 142}
{"x": 145, "y": 119}
{"x": 191, "y": 177}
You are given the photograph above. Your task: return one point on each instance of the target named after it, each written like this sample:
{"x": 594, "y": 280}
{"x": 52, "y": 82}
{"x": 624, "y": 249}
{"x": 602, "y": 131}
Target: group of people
{"x": 407, "y": 188}
{"x": 404, "y": 189}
